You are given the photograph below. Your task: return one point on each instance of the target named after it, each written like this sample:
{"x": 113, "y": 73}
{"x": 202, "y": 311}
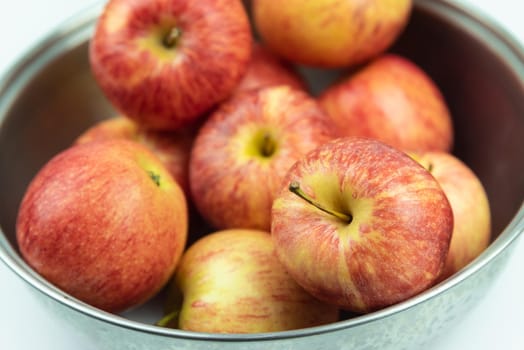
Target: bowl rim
{"x": 503, "y": 44}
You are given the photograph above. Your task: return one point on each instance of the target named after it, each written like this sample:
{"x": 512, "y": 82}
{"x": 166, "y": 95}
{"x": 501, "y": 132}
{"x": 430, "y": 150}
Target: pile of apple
{"x": 269, "y": 208}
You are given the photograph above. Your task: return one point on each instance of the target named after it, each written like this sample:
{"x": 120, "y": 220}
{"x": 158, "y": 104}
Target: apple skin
{"x": 393, "y": 100}
{"x": 233, "y": 178}
{"x": 232, "y": 282}
{"x": 171, "y": 147}
{"x": 470, "y": 205}
{"x": 266, "y": 69}
{"x": 394, "y": 247}
{"x": 166, "y": 86}
{"x": 330, "y": 33}
{"x": 104, "y": 222}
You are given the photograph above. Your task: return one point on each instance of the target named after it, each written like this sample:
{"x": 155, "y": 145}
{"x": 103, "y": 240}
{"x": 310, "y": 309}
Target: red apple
{"x": 266, "y": 69}
{"x": 105, "y": 222}
{"x": 330, "y": 33}
{"x": 362, "y": 225}
{"x": 394, "y": 101}
{"x": 243, "y": 151}
{"x": 232, "y": 282}
{"x": 164, "y": 63}
{"x": 470, "y": 205}
{"x": 171, "y": 147}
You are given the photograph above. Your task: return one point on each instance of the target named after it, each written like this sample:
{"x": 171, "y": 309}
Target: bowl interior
{"x": 51, "y": 97}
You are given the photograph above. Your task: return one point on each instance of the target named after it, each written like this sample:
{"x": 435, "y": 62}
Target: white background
{"x": 495, "y": 323}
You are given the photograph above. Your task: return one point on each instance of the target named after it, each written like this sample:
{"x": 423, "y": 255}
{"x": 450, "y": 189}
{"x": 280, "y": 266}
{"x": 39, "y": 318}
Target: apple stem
{"x": 268, "y": 146}
{"x": 294, "y": 187}
{"x": 155, "y": 177}
{"x": 167, "y": 320}
{"x": 172, "y": 37}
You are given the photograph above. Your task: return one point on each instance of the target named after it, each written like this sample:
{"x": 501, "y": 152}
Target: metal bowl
{"x": 50, "y": 97}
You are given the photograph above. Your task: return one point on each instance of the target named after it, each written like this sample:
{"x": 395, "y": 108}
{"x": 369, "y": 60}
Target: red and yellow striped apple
{"x": 362, "y": 225}
{"x": 164, "y": 63}
{"x": 393, "y": 100}
{"x": 330, "y": 33}
{"x": 105, "y": 222}
{"x": 243, "y": 151}
{"x": 232, "y": 282}
{"x": 470, "y": 205}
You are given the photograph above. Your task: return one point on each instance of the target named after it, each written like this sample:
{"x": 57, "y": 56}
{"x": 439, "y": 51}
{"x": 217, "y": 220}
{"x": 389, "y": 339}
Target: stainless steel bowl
{"x": 49, "y": 97}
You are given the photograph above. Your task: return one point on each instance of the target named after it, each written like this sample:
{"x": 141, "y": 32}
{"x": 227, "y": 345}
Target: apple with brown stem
{"x": 361, "y": 225}
{"x": 243, "y": 151}
{"x": 165, "y": 63}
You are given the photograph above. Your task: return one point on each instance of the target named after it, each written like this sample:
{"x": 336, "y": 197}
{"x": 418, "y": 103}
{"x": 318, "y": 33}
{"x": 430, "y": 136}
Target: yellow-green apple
{"x": 266, "y": 69}
{"x": 470, "y": 205}
{"x": 231, "y": 281}
{"x": 361, "y": 225}
{"x": 243, "y": 151}
{"x": 171, "y": 147}
{"x": 330, "y": 33}
{"x": 105, "y": 222}
{"x": 164, "y": 63}
{"x": 391, "y": 99}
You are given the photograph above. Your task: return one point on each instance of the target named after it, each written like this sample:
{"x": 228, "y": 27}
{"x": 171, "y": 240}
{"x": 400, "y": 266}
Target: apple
{"x": 171, "y": 147}
{"x": 105, "y": 222}
{"x": 361, "y": 225}
{"x": 393, "y": 100}
{"x": 266, "y": 69}
{"x": 242, "y": 152}
{"x": 330, "y": 33}
{"x": 165, "y": 63}
{"x": 470, "y": 205}
{"x": 231, "y": 281}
